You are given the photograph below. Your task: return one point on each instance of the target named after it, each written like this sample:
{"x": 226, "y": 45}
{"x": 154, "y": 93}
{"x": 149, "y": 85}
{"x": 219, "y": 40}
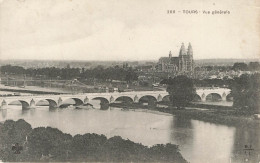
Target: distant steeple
{"x": 190, "y": 51}
{"x": 170, "y": 54}
{"x": 182, "y": 50}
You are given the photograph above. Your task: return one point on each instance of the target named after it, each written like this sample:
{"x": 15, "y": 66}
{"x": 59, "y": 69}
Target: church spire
{"x": 182, "y": 50}
{"x": 190, "y": 51}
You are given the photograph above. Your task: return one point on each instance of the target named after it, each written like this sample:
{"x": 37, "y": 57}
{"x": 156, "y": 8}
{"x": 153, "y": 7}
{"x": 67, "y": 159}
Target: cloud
{"x": 125, "y": 30}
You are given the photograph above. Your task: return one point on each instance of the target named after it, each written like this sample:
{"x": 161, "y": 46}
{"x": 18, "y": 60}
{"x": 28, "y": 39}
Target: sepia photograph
{"x": 130, "y": 81}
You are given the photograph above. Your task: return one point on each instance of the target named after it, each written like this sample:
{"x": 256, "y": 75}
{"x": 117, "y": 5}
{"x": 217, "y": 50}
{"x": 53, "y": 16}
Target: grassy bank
{"x": 50, "y": 144}
{"x": 225, "y": 115}
{"x": 208, "y": 106}
{"x": 229, "y": 118}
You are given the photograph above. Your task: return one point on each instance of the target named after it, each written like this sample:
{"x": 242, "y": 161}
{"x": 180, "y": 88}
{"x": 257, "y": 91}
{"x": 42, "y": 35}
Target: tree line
{"x": 100, "y": 73}
{"x": 238, "y": 66}
{"x": 207, "y": 82}
{"x": 51, "y": 145}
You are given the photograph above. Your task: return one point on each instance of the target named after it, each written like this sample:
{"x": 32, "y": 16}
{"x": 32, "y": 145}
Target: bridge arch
{"x": 197, "y": 98}
{"x": 166, "y": 98}
{"x": 104, "y": 103}
{"x": 125, "y": 99}
{"x": 77, "y": 101}
{"x": 150, "y": 100}
{"x": 229, "y": 97}
{"x": 102, "y": 99}
{"x": 51, "y": 103}
{"x": 213, "y": 97}
{"x": 25, "y": 104}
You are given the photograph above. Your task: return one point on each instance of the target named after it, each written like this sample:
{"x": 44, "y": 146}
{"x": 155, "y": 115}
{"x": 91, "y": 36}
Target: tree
{"x": 8, "y": 69}
{"x": 254, "y": 66}
{"x": 181, "y": 90}
{"x": 164, "y": 81}
{"x": 246, "y": 93}
{"x": 130, "y": 76}
{"x": 240, "y": 66}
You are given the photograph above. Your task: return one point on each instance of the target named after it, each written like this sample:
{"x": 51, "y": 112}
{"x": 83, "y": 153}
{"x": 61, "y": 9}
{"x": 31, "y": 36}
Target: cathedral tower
{"x": 182, "y": 50}
{"x": 190, "y": 65}
{"x": 190, "y": 51}
{"x": 181, "y": 57}
{"x": 170, "y": 54}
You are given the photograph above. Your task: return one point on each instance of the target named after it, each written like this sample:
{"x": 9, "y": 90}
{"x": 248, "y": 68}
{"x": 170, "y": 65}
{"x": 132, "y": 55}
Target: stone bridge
{"x": 55, "y": 101}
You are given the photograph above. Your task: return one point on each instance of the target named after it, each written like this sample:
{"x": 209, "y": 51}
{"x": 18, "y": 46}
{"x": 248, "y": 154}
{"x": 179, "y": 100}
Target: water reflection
{"x": 212, "y": 143}
{"x": 182, "y": 134}
{"x": 182, "y": 122}
{"x": 4, "y": 113}
{"x": 182, "y": 131}
{"x": 246, "y": 147}
{"x": 23, "y": 111}
{"x": 203, "y": 142}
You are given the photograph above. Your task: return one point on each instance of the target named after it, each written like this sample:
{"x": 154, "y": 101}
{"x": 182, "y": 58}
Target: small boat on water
{"x": 64, "y": 106}
{"x": 85, "y": 106}
{"x": 125, "y": 109}
{"x": 71, "y": 107}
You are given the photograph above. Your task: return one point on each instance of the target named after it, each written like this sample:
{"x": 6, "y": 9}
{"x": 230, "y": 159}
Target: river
{"x": 198, "y": 141}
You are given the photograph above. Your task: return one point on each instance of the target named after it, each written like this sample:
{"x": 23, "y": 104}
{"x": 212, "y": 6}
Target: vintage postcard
{"x": 130, "y": 81}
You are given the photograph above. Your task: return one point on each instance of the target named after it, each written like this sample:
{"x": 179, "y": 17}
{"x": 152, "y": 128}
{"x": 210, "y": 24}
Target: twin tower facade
{"x": 184, "y": 63}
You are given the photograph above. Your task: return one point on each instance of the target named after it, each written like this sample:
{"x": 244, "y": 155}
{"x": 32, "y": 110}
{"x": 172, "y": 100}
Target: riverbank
{"x": 223, "y": 115}
{"x": 50, "y": 144}
{"x": 32, "y": 90}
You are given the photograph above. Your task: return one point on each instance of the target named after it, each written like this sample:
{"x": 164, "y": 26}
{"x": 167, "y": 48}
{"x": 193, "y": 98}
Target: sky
{"x": 127, "y": 29}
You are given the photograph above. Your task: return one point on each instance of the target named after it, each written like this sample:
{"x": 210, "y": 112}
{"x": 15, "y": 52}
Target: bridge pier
{"x": 224, "y": 97}
{"x": 203, "y": 97}
{"x": 86, "y": 100}
{"x": 112, "y": 99}
{"x": 32, "y": 104}
{"x": 136, "y": 99}
{"x": 159, "y": 98}
{"x": 59, "y": 102}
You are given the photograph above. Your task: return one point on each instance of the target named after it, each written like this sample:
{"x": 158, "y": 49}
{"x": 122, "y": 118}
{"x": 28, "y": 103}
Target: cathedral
{"x": 182, "y": 64}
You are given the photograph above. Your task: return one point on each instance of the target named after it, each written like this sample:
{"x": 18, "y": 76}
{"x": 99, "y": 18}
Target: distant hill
{"x": 222, "y": 62}
{"x": 92, "y": 64}
{"x": 64, "y": 63}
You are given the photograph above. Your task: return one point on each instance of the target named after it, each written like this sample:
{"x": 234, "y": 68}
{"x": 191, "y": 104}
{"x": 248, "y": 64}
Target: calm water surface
{"x": 199, "y": 141}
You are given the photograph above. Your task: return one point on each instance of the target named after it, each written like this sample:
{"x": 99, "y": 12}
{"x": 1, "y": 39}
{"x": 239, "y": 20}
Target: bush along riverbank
{"x": 224, "y": 115}
{"x": 19, "y": 142}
